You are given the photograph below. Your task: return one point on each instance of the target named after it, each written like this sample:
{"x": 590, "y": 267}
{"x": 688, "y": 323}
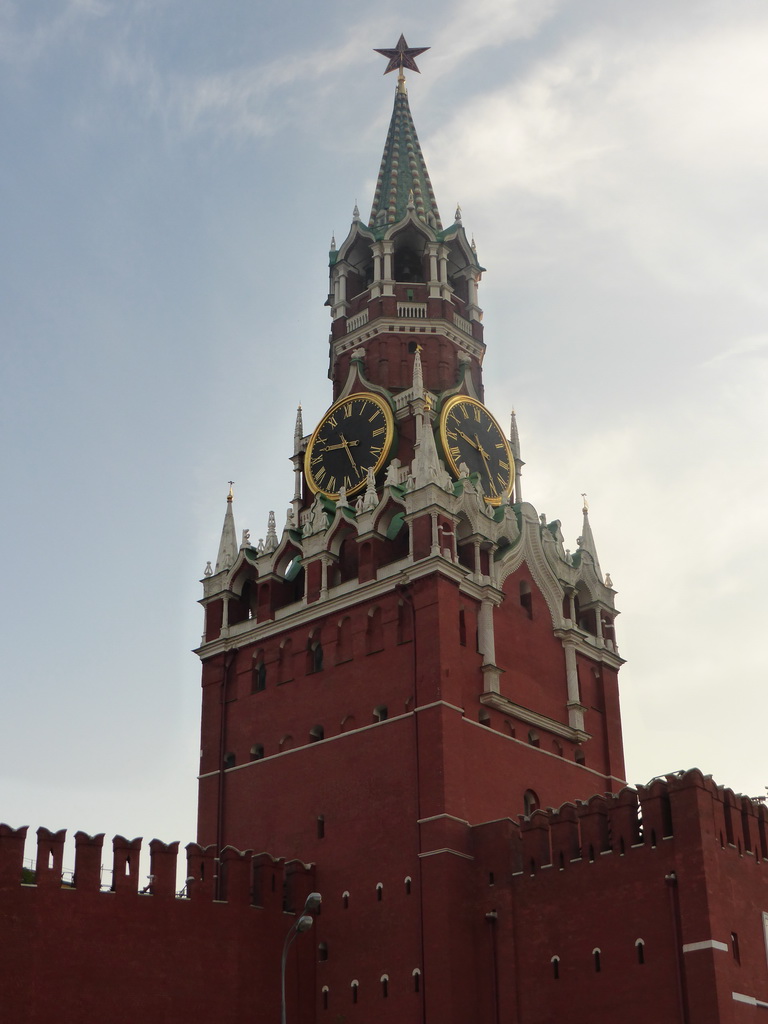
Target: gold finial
{"x": 585, "y": 506}
{"x": 427, "y": 401}
{"x": 231, "y": 494}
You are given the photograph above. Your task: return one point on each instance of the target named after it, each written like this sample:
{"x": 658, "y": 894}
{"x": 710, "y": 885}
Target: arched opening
{"x": 285, "y": 661}
{"x": 404, "y": 623}
{"x": 286, "y": 743}
{"x": 345, "y": 900}
{"x": 379, "y": 891}
{"x": 530, "y": 802}
{"x": 314, "y": 653}
{"x": 384, "y": 980}
{"x": 640, "y": 949}
{"x": 534, "y": 738}
{"x": 408, "y": 885}
{"x": 578, "y": 756}
{"x": 258, "y": 673}
{"x": 374, "y": 633}
{"x": 556, "y": 968}
{"x": 344, "y": 640}
{"x": 322, "y": 952}
{"x": 484, "y": 717}
{"x": 416, "y": 979}
{"x": 316, "y": 733}
{"x": 526, "y": 598}
{"x": 325, "y": 997}
{"x": 596, "y": 959}
{"x": 380, "y": 713}
{"x": 229, "y": 760}
{"x": 257, "y": 752}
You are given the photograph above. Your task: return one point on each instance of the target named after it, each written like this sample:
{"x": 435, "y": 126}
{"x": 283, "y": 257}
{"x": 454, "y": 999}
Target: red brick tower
{"x": 417, "y": 654}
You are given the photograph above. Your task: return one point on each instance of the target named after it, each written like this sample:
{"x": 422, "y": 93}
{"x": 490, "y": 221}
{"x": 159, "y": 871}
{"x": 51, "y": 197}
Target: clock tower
{"x": 416, "y": 655}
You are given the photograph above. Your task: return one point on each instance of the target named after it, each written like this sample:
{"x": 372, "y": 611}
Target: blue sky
{"x": 172, "y": 173}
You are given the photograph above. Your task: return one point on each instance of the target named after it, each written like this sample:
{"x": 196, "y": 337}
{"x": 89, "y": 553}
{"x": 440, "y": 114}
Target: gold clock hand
{"x": 467, "y": 438}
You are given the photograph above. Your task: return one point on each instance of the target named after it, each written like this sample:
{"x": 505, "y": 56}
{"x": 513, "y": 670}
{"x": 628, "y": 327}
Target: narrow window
{"x": 735, "y": 947}
{"x": 533, "y": 738}
{"x": 556, "y": 968}
{"x": 596, "y": 958}
{"x": 384, "y": 986}
{"x": 530, "y": 802}
{"x": 640, "y": 947}
{"x": 416, "y": 979}
{"x": 462, "y": 628}
{"x": 526, "y": 598}
{"x": 491, "y": 878}
{"x": 484, "y": 717}
{"x": 316, "y": 733}
{"x": 325, "y": 997}
{"x": 322, "y": 952}
{"x": 229, "y": 760}
{"x": 380, "y": 713}
{"x": 257, "y": 752}
{"x": 285, "y": 664}
{"x": 259, "y": 674}
{"x": 345, "y": 900}
{"x": 314, "y": 653}
{"x": 320, "y": 826}
{"x": 380, "y": 892}
{"x": 344, "y": 641}
{"x": 408, "y": 885}
{"x": 578, "y": 756}
{"x": 374, "y": 633}
{"x": 354, "y": 991}
{"x": 404, "y": 623}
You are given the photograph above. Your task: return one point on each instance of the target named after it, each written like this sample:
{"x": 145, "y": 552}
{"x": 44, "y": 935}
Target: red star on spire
{"x": 402, "y": 56}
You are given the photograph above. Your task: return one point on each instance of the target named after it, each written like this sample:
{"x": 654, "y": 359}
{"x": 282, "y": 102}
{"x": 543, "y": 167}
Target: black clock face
{"x": 470, "y": 435}
{"x": 355, "y": 435}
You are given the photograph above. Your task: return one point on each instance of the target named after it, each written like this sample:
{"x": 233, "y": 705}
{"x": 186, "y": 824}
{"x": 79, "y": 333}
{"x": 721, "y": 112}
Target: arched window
{"x": 533, "y": 738}
{"x": 316, "y": 733}
{"x": 258, "y": 673}
{"x": 257, "y": 751}
{"x": 314, "y": 652}
{"x": 345, "y": 899}
{"x": 404, "y": 622}
{"x": 355, "y": 985}
{"x": 735, "y": 947}
{"x": 379, "y": 891}
{"x": 384, "y": 985}
{"x": 321, "y": 826}
{"x": 347, "y": 723}
{"x": 529, "y": 802}
{"x": 285, "y": 664}
{"x": 322, "y": 952}
{"x": 230, "y": 760}
{"x": 286, "y": 742}
{"x": 374, "y": 634}
{"x": 484, "y": 716}
{"x": 462, "y": 628}
{"x": 325, "y": 997}
{"x": 380, "y": 713}
{"x": 556, "y": 968}
{"x": 526, "y": 598}
{"x": 408, "y": 885}
{"x": 640, "y": 948}
{"x": 416, "y": 979}
{"x": 596, "y": 959}
{"x": 344, "y": 640}
{"x": 578, "y": 756}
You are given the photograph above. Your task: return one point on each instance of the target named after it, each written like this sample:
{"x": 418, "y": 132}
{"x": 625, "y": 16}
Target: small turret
{"x": 228, "y": 543}
{"x": 586, "y": 541}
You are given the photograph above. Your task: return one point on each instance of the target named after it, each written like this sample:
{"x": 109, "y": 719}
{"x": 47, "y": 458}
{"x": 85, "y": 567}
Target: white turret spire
{"x": 228, "y": 543}
{"x": 514, "y": 444}
{"x": 586, "y": 541}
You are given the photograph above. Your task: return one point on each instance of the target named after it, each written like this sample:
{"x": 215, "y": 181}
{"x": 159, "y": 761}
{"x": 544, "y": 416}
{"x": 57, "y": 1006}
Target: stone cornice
{"x": 508, "y": 707}
{"x": 590, "y": 646}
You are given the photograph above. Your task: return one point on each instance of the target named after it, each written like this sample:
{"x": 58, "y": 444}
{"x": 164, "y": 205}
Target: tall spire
{"x": 228, "y": 543}
{"x": 403, "y": 169}
{"x": 586, "y": 541}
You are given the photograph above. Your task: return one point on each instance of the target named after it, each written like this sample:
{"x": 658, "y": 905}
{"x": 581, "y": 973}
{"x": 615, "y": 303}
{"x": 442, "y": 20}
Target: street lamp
{"x": 302, "y": 924}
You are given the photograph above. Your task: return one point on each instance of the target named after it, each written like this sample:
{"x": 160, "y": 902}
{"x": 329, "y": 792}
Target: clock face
{"x": 469, "y": 434}
{"x": 355, "y": 435}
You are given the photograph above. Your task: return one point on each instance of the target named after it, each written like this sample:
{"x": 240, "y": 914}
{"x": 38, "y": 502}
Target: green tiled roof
{"x": 403, "y": 171}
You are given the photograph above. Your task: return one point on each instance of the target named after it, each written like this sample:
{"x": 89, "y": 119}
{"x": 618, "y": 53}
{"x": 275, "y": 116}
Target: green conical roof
{"x": 403, "y": 171}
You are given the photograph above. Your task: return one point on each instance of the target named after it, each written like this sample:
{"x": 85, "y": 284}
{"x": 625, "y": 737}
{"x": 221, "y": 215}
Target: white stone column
{"x": 575, "y": 707}
{"x": 388, "y": 281}
{"x": 486, "y": 641}
{"x": 377, "y": 266}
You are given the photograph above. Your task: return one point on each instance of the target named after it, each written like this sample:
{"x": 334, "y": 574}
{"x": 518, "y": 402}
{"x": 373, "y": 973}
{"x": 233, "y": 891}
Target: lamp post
{"x": 302, "y": 924}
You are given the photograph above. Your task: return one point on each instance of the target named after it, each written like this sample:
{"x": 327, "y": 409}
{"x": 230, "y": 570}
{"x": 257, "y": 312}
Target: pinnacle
{"x": 403, "y": 171}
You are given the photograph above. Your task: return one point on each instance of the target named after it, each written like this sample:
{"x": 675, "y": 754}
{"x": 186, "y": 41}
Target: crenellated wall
{"x": 82, "y": 952}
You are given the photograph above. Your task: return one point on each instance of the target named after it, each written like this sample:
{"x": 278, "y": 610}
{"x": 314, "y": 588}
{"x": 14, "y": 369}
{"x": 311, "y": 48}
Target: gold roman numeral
{"x": 331, "y": 421}
{"x": 378, "y": 431}
{"x": 455, "y": 451}
{"x": 320, "y": 474}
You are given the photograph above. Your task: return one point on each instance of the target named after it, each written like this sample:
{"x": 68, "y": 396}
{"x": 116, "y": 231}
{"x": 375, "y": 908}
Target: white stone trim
{"x": 692, "y": 947}
{"x": 739, "y": 997}
{"x": 438, "y": 817}
{"x": 446, "y": 849}
{"x": 508, "y": 707}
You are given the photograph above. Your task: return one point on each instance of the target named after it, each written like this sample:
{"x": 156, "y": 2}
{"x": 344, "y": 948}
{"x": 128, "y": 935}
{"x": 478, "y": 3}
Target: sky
{"x": 172, "y": 173}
